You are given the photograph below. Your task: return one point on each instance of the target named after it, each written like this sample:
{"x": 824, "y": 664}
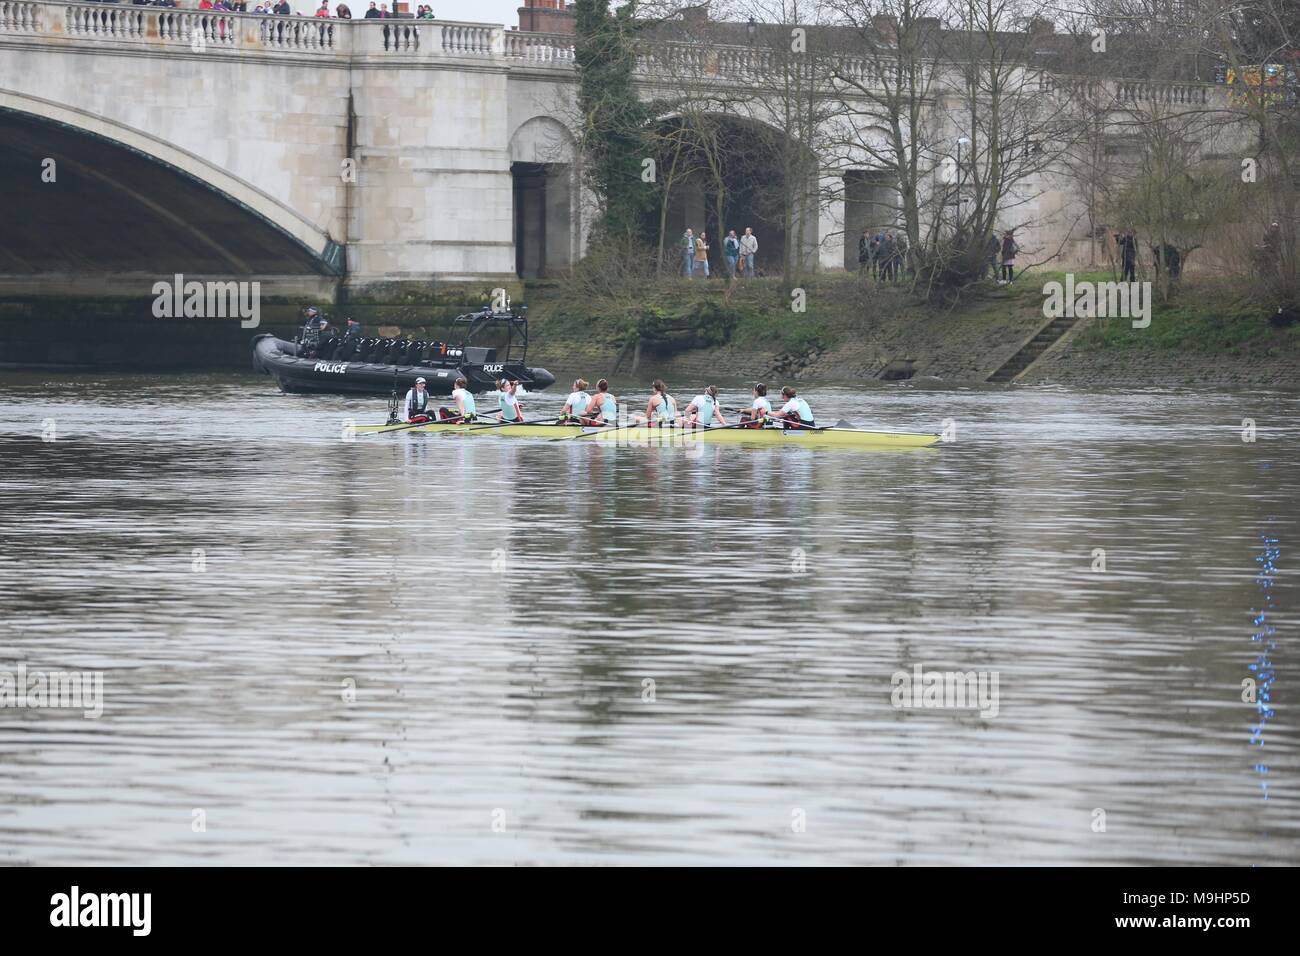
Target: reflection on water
{"x": 416, "y": 648}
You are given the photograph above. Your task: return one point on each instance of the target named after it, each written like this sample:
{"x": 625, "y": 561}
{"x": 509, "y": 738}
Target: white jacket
{"x": 748, "y": 245}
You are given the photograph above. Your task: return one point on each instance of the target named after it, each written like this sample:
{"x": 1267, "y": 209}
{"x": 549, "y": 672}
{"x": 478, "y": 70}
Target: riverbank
{"x": 1212, "y": 332}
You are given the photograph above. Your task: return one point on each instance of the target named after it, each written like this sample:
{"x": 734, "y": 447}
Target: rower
{"x": 465, "y": 407}
{"x": 704, "y": 408}
{"x": 760, "y": 410}
{"x": 661, "y": 409}
{"x": 576, "y": 404}
{"x": 417, "y": 403}
{"x": 603, "y": 407}
{"x": 795, "y": 412}
{"x": 512, "y": 410}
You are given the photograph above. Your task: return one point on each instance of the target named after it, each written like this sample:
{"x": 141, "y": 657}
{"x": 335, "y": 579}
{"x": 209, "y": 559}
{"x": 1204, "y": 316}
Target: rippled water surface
{"x": 572, "y": 653}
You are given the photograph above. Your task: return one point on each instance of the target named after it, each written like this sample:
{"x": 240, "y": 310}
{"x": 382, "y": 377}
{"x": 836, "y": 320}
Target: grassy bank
{"x": 850, "y": 329}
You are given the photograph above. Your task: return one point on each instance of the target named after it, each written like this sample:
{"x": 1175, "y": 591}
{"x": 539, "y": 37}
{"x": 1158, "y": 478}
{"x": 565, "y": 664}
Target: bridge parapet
{"x": 169, "y": 28}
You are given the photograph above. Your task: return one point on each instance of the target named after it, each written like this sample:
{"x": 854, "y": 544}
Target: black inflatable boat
{"x": 378, "y": 366}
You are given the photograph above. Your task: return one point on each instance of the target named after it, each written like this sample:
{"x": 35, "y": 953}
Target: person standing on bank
{"x": 731, "y": 250}
{"x": 702, "y": 253}
{"x": 1128, "y": 254}
{"x": 688, "y": 254}
{"x": 748, "y": 250}
{"x": 1009, "y": 250}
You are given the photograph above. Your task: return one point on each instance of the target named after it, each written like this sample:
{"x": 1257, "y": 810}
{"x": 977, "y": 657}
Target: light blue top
{"x": 671, "y": 404}
{"x": 704, "y": 407}
{"x": 608, "y": 408}
{"x": 578, "y": 402}
{"x": 762, "y": 407}
{"x": 466, "y": 399}
{"x": 510, "y": 407}
{"x": 798, "y": 405}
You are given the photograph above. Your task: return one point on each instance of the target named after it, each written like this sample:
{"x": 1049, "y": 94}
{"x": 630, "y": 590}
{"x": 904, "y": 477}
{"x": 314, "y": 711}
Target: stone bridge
{"x": 140, "y": 141}
{"x": 365, "y": 157}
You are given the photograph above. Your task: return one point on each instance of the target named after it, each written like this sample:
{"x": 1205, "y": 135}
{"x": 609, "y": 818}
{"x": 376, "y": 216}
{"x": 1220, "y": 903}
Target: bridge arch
{"x": 736, "y": 180}
{"x": 184, "y": 213}
{"x": 544, "y": 171}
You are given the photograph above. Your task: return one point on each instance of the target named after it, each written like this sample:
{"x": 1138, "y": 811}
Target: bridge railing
{"x": 411, "y": 39}
{"x": 248, "y": 32}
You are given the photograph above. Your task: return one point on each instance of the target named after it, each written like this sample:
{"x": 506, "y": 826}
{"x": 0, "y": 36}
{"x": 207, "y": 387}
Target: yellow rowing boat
{"x": 827, "y": 437}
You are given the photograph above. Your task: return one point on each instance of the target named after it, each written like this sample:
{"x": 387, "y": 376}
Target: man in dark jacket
{"x": 1128, "y": 254}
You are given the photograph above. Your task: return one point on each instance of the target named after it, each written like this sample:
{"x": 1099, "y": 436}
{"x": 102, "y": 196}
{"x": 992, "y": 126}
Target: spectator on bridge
{"x": 748, "y": 250}
{"x": 688, "y": 254}
{"x": 372, "y": 13}
{"x": 383, "y": 13}
{"x": 323, "y": 11}
{"x": 731, "y": 250}
{"x": 343, "y": 12}
{"x": 282, "y": 8}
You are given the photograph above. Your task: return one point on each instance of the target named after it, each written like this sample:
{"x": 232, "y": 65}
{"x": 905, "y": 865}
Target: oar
{"x": 454, "y": 420}
{"x": 389, "y": 429}
{"x": 658, "y": 429}
{"x": 533, "y": 421}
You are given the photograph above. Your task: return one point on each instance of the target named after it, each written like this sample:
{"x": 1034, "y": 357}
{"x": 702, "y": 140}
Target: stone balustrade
{"x": 255, "y": 33}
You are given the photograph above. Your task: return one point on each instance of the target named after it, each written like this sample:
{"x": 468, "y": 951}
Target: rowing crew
{"x": 582, "y": 408}
{"x": 661, "y": 408}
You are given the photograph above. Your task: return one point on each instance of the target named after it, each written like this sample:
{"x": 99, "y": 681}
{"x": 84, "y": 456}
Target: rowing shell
{"x": 829, "y": 437}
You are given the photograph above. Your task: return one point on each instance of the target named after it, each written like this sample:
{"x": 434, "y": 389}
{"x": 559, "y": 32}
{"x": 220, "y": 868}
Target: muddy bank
{"x": 852, "y": 332}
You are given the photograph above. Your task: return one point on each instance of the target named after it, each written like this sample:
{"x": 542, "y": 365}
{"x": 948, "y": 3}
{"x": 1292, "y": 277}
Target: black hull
{"x": 279, "y": 359}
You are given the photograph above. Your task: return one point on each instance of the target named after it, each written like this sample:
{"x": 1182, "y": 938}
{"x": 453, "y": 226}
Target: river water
{"x": 441, "y": 649}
